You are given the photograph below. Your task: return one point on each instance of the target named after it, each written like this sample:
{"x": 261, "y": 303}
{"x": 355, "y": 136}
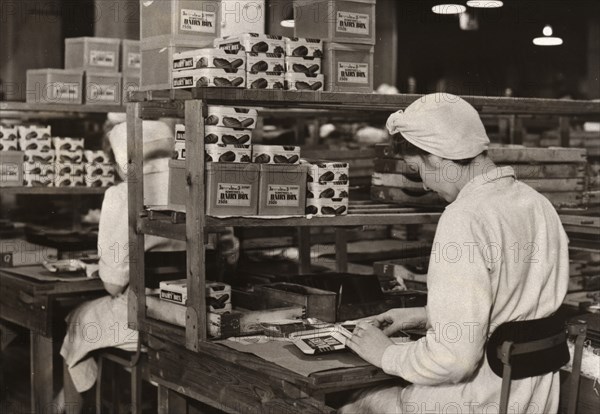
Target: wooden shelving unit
{"x": 17, "y": 110}
{"x": 191, "y": 105}
{"x": 54, "y": 190}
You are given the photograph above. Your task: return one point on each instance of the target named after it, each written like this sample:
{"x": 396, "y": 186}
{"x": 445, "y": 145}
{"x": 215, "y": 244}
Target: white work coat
{"x": 102, "y": 323}
{"x": 500, "y": 254}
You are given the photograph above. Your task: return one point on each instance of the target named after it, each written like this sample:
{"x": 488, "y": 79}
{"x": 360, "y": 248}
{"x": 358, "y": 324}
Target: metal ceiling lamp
{"x": 548, "y": 39}
{"x": 450, "y": 8}
{"x": 485, "y": 4}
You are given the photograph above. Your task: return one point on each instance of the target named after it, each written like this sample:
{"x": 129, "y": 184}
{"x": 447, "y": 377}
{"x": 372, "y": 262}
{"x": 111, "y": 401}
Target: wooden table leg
{"x": 341, "y": 250}
{"x": 170, "y": 402}
{"x": 42, "y": 385}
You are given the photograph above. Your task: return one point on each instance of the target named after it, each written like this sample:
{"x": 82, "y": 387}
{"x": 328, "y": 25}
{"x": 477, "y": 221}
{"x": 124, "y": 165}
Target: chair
{"x": 526, "y": 349}
{"x": 128, "y": 360}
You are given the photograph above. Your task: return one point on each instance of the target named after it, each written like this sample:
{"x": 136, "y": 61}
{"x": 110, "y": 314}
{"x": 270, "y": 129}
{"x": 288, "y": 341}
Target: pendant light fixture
{"x": 548, "y": 39}
{"x": 450, "y": 8}
{"x": 485, "y": 4}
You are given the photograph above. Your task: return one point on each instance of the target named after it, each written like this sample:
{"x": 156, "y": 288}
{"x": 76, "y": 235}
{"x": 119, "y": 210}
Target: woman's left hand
{"x": 369, "y": 343}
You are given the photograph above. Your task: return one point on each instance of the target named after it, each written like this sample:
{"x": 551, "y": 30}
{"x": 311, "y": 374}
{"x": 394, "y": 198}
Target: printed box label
{"x": 102, "y": 58}
{"x": 353, "y": 72}
{"x": 283, "y": 195}
{"x": 354, "y": 23}
{"x": 237, "y": 195}
{"x": 198, "y": 21}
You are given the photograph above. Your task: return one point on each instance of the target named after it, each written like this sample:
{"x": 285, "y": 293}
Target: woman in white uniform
{"x": 102, "y": 323}
{"x": 500, "y": 254}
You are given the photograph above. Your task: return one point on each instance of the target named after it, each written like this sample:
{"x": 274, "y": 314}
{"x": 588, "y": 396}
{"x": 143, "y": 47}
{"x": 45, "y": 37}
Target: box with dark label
{"x": 306, "y": 65}
{"x": 333, "y": 189}
{"x": 321, "y": 171}
{"x": 231, "y": 117}
{"x": 228, "y": 153}
{"x": 68, "y": 144}
{"x": 34, "y": 132}
{"x": 282, "y": 190}
{"x": 8, "y": 133}
{"x": 47, "y": 156}
{"x": 16, "y": 252}
{"x": 227, "y": 136}
{"x": 275, "y": 154}
{"x": 209, "y": 58}
{"x": 265, "y": 80}
{"x": 209, "y": 77}
{"x": 327, "y": 206}
{"x": 232, "y": 189}
{"x": 252, "y": 42}
{"x": 32, "y": 145}
{"x": 302, "y": 82}
{"x": 265, "y": 62}
{"x": 96, "y": 157}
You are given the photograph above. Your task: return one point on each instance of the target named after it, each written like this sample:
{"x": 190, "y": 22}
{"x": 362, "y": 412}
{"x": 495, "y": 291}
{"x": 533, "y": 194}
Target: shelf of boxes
{"x": 195, "y": 224}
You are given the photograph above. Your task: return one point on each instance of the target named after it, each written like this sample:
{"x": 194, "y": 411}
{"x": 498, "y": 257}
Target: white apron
{"x": 500, "y": 254}
{"x": 102, "y": 323}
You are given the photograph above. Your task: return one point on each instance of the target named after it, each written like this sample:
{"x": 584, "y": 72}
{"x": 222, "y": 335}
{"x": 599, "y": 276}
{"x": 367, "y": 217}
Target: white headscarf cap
{"x": 441, "y": 124}
{"x": 157, "y": 137}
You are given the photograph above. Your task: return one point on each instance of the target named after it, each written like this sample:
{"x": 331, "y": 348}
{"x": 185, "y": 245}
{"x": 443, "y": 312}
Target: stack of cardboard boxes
{"x": 348, "y": 29}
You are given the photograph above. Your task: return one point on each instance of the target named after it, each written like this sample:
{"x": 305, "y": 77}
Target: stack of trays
{"x": 209, "y": 68}
{"x": 69, "y": 162}
{"x": 38, "y": 165}
{"x": 99, "y": 172}
{"x": 304, "y": 64}
{"x": 328, "y": 189}
{"x": 218, "y": 295}
{"x": 9, "y": 138}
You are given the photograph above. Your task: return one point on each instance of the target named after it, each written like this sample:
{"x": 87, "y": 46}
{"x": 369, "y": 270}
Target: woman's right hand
{"x": 396, "y": 320}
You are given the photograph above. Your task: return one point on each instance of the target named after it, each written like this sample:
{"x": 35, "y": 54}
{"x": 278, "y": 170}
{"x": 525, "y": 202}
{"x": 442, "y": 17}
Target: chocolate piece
{"x": 313, "y": 69}
{"x": 260, "y": 47}
{"x": 300, "y": 51}
{"x": 237, "y": 81}
{"x": 316, "y": 86}
{"x": 261, "y": 66}
{"x": 344, "y": 194}
{"x": 262, "y": 159}
{"x": 237, "y": 63}
{"x": 279, "y": 50}
{"x": 247, "y": 123}
{"x": 328, "y": 176}
{"x": 212, "y": 120}
{"x": 203, "y": 63}
{"x": 343, "y": 177}
{"x": 211, "y": 139}
{"x": 329, "y": 193}
{"x": 312, "y": 210}
{"x": 302, "y": 85}
{"x": 296, "y": 67}
{"x": 259, "y": 84}
{"x": 230, "y": 122}
{"x": 221, "y": 63}
{"x": 278, "y": 68}
{"x": 327, "y": 211}
{"x": 222, "y": 82}
{"x": 245, "y": 158}
{"x": 31, "y": 135}
{"x": 341, "y": 210}
{"x": 229, "y": 156}
{"x": 278, "y": 85}
{"x": 203, "y": 82}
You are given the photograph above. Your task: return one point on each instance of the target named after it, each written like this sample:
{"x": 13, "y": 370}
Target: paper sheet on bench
{"x": 41, "y": 274}
{"x": 287, "y": 355}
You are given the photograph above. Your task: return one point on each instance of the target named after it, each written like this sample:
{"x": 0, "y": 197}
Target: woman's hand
{"x": 396, "y": 320}
{"x": 369, "y": 343}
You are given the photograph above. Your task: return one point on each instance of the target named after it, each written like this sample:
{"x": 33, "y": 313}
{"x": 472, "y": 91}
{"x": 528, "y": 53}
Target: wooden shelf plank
{"x": 360, "y": 101}
{"x": 76, "y": 110}
{"x": 53, "y": 190}
{"x": 165, "y": 228}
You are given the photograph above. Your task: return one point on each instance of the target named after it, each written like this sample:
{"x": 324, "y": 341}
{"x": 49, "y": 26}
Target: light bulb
{"x": 449, "y": 9}
{"x": 547, "y": 30}
{"x": 485, "y": 4}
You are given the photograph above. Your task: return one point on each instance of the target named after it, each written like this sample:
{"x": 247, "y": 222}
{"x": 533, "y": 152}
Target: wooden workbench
{"x": 32, "y": 304}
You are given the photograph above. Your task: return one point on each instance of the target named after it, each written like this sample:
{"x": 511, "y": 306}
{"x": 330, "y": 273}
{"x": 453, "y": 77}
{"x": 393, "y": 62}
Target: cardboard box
{"x": 11, "y": 168}
{"x": 103, "y": 88}
{"x": 334, "y": 189}
{"x": 232, "y": 189}
{"x": 95, "y": 54}
{"x": 320, "y": 304}
{"x": 177, "y": 192}
{"x": 33, "y": 145}
{"x": 16, "y": 252}
{"x": 228, "y": 153}
{"x": 186, "y": 19}
{"x": 68, "y": 144}
{"x": 265, "y": 62}
{"x": 59, "y": 86}
{"x": 209, "y": 77}
{"x": 100, "y": 181}
{"x": 40, "y": 156}
{"x": 327, "y": 206}
{"x": 157, "y": 59}
{"x": 209, "y": 58}
{"x": 69, "y": 181}
{"x": 275, "y": 154}
{"x": 305, "y": 65}
{"x": 8, "y": 145}
{"x": 348, "y": 68}
{"x": 8, "y": 133}
{"x": 68, "y": 169}
{"x": 265, "y": 80}
{"x": 131, "y": 58}
{"x": 72, "y": 157}
{"x": 34, "y": 132}
{"x": 252, "y": 42}
{"x": 96, "y": 157}
{"x": 296, "y": 47}
{"x": 227, "y": 136}
{"x": 36, "y": 180}
{"x": 231, "y": 117}
{"x": 129, "y": 84}
{"x": 302, "y": 82}
{"x": 95, "y": 170}
{"x": 321, "y": 171}
{"x": 43, "y": 169}
{"x": 174, "y": 291}
{"x": 282, "y": 190}
{"x": 346, "y": 21}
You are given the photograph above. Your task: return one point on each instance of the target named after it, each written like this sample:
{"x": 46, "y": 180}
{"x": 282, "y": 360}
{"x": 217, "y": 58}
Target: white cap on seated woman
{"x": 158, "y": 143}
